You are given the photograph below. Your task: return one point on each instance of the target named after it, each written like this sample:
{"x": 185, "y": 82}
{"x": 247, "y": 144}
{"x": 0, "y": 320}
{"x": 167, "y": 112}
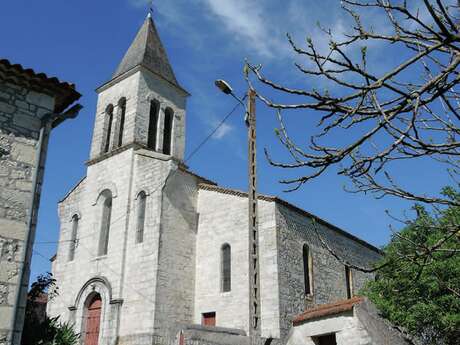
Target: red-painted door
{"x": 209, "y": 319}
{"x": 93, "y": 321}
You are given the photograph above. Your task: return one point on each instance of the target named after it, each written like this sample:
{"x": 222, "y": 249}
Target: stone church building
{"x": 148, "y": 248}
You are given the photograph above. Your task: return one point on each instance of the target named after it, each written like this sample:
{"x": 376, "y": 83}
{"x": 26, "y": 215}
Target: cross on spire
{"x": 151, "y": 9}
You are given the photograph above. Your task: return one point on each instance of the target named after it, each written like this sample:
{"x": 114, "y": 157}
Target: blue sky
{"x": 83, "y": 41}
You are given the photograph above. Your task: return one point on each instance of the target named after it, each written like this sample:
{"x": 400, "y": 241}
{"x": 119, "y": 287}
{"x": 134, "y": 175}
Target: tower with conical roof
{"x": 126, "y": 259}
{"x": 143, "y": 105}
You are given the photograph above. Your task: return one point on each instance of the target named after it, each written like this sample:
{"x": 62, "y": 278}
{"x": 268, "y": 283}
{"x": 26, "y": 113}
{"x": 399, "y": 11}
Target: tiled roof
{"x": 64, "y": 93}
{"x": 327, "y": 310}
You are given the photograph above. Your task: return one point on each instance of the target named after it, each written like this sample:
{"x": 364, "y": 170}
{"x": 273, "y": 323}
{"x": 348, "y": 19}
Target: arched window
{"x": 73, "y": 238}
{"x": 108, "y": 126}
{"x": 226, "y": 267}
{"x": 106, "y": 202}
{"x": 167, "y": 131}
{"x": 349, "y": 281}
{"x": 121, "y": 119}
{"x": 141, "y": 205}
{"x": 153, "y": 124}
{"x": 307, "y": 270}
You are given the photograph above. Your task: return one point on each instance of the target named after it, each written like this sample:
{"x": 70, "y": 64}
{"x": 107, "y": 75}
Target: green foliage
{"x": 39, "y": 329}
{"x": 419, "y": 288}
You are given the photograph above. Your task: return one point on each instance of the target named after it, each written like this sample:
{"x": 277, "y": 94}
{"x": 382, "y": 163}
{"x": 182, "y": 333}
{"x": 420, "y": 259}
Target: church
{"x": 149, "y": 250}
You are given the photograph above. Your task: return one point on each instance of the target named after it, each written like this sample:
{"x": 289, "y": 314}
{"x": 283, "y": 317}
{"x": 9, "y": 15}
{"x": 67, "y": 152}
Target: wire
{"x": 163, "y": 183}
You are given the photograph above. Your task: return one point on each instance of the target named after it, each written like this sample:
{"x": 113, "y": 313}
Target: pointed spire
{"x": 148, "y": 51}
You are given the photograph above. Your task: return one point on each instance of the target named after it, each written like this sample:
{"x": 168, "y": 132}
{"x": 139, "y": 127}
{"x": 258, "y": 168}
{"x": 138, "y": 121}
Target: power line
{"x": 170, "y": 175}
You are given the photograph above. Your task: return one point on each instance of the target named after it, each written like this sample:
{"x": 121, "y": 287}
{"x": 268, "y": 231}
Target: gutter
{"x": 49, "y": 122}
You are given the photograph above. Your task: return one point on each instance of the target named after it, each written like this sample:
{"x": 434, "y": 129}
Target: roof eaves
{"x": 64, "y": 92}
{"x": 71, "y": 191}
{"x": 326, "y": 223}
{"x": 327, "y": 310}
{"x": 283, "y": 202}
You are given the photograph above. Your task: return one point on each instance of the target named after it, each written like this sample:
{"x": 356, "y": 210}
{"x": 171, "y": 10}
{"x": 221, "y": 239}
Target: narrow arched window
{"x": 349, "y": 281}
{"x": 141, "y": 205}
{"x": 121, "y": 120}
{"x": 108, "y": 127}
{"x": 307, "y": 270}
{"x": 106, "y": 204}
{"x": 226, "y": 274}
{"x": 167, "y": 131}
{"x": 73, "y": 238}
{"x": 153, "y": 125}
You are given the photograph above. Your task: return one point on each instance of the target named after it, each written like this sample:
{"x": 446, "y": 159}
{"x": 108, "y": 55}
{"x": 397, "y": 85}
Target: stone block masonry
{"x": 28, "y": 103}
{"x": 20, "y": 122}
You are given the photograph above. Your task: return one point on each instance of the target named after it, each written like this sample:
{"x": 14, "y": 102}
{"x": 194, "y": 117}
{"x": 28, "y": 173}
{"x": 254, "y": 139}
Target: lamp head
{"x": 224, "y": 86}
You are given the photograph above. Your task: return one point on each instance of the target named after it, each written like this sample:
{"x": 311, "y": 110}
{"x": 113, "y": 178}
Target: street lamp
{"x": 250, "y": 119}
{"x": 228, "y": 90}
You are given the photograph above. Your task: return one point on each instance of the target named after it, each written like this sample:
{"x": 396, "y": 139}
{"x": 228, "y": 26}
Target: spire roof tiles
{"x": 147, "y": 50}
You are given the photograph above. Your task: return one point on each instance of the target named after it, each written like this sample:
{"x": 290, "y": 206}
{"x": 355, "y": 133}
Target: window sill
{"x": 100, "y": 257}
{"x": 309, "y": 297}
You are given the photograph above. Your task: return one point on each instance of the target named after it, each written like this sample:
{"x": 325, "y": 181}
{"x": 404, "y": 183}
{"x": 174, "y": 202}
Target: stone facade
{"x": 153, "y": 290}
{"x": 27, "y": 106}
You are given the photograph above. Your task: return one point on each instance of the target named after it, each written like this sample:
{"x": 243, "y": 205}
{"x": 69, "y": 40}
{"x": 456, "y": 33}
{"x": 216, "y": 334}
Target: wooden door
{"x": 209, "y": 319}
{"x": 93, "y": 321}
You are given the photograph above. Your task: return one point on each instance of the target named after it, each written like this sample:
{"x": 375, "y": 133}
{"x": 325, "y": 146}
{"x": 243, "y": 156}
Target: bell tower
{"x": 143, "y": 105}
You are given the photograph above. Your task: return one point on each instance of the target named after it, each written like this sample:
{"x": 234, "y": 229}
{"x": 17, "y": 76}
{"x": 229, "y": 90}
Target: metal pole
{"x": 254, "y": 304}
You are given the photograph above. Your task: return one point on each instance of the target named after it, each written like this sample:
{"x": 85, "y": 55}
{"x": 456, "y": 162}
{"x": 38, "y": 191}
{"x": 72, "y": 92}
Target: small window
{"x": 226, "y": 267}
{"x": 328, "y": 339}
{"x": 121, "y": 125}
{"x": 108, "y": 126}
{"x": 73, "y": 238}
{"x": 106, "y": 197}
{"x": 349, "y": 281}
{"x": 208, "y": 319}
{"x": 307, "y": 270}
{"x": 153, "y": 125}
{"x": 141, "y": 205}
{"x": 167, "y": 132}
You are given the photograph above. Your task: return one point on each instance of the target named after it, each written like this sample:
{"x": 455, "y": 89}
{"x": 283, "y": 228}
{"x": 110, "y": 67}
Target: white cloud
{"x": 248, "y": 22}
{"x": 223, "y": 131}
{"x": 139, "y": 3}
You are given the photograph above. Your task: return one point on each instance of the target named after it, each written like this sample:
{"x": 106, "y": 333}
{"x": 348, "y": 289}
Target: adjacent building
{"x": 148, "y": 249}
{"x": 347, "y": 322}
{"x": 31, "y": 105}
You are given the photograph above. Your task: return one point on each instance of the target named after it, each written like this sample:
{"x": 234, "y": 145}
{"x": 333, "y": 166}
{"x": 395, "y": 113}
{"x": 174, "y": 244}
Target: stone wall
{"x": 21, "y": 111}
{"x": 176, "y": 265}
{"x": 329, "y": 285}
{"x": 224, "y": 219}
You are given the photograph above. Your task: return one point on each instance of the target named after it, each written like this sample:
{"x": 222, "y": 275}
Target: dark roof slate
{"x": 147, "y": 50}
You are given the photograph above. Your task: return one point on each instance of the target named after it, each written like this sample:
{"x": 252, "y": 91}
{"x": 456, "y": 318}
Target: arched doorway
{"x": 93, "y": 320}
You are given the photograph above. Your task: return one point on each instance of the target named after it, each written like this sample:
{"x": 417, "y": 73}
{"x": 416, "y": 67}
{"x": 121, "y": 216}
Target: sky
{"x": 83, "y": 41}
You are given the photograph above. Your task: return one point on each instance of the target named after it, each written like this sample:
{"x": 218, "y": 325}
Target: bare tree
{"x": 408, "y": 112}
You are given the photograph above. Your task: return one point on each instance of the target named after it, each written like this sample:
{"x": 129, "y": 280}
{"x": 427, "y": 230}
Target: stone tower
{"x": 128, "y": 228}
{"x": 143, "y": 104}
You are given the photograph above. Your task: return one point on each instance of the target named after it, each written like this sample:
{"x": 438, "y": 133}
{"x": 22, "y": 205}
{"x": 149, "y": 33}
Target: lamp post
{"x": 253, "y": 250}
